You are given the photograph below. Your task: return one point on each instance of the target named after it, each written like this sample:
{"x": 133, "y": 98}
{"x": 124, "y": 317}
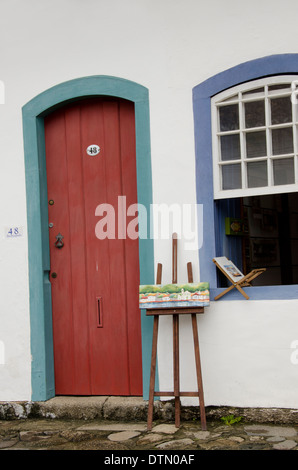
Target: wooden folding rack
{"x": 244, "y": 281}
{"x": 175, "y": 312}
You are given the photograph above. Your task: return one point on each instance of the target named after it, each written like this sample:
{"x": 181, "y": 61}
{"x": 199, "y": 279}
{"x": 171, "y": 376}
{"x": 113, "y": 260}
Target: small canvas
{"x": 174, "y": 295}
{"x": 229, "y": 268}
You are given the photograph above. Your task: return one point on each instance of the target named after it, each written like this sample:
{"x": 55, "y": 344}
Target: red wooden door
{"x": 96, "y": 319}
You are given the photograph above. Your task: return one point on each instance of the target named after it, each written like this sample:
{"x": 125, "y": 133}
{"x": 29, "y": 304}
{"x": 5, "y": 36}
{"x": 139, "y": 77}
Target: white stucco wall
{"x": 169, "y": 46}
{"x": 247, "y": 356}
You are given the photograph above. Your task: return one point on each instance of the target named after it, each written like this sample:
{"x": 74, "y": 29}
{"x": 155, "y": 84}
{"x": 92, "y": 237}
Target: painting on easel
{"x": 174, "y": 295}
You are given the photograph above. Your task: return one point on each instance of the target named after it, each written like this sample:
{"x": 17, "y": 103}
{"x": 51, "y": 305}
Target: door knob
{"x": 59, "y": 243}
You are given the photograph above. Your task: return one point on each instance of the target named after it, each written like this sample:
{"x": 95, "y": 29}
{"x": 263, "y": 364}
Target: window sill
{"x": 259, "y": 293}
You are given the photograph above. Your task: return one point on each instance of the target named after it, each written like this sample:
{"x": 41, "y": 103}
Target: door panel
{"x": 96, "y": 319}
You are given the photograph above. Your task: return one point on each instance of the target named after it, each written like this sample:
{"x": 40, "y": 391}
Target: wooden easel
{"x": 243, "y": 282}
{"x": 176, "y": 312}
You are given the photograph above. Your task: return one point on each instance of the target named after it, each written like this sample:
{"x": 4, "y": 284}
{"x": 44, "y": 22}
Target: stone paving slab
{"x": 114, "y": 427}
{"x": 285, "y": 445}
{"x": 177, "y": 444}
{"x": 123, "y": 436}
{"x": 266, "y": 431}
{"x": 165, "y": 428}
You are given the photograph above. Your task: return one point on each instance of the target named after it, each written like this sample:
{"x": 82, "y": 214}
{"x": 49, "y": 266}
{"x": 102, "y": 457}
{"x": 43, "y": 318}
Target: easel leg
{"x": 176, "y": 369}
{"x": 199, "y": 372}
{"x": 197, "y": 357}
{"x": 152, "y": 373}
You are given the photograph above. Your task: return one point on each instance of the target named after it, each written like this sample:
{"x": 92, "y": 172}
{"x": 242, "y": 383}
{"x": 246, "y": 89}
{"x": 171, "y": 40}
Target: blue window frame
{"x": 284, "y": 64}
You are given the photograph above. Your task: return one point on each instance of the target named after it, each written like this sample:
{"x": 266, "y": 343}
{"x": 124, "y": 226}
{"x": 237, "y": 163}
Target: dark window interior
{"x": 267, "y": 237}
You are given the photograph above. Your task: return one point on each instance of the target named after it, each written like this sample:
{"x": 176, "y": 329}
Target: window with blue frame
{"x": 246, "y": 131}
{"x": 255, "y": 175}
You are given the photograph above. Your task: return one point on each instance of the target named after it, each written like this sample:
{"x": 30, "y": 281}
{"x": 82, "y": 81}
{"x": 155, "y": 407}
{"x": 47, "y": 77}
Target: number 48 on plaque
{"x": 12, "y": 232}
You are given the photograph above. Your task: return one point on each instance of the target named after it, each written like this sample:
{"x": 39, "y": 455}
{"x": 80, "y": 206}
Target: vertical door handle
{"x": 99, "y": 312}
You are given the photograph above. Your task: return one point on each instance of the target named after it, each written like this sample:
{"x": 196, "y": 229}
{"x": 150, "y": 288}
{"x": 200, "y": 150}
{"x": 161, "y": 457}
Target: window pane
{"x": 229, "y": 118}
{"x": 281, "y": 110}
{"x": 231, "y": 176}
{"x": 230, "y": 147}
{"x": 283, "y": 171}
{"x": 282, "y": 141}
{"x": 231, "y": 98}
{"x": 256, "y": 144}
{"x": 257, "y": 174}
{"x": 255, "y": 114}
{"x": 280, "y": 86}
{"x": 253, "y": 91}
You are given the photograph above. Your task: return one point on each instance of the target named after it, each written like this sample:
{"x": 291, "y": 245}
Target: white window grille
{"x": 255, "y": 148}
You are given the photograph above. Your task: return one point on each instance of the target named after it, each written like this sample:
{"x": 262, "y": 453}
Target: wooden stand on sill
{"x": 175, "y": 312}
{"x": 244, "y": 280}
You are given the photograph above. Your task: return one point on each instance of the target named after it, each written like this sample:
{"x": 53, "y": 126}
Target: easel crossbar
{"x": 180, "y": 394}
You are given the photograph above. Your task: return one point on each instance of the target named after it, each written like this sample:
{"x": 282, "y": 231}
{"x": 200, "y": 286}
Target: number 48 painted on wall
{"x": 12, "y": 232}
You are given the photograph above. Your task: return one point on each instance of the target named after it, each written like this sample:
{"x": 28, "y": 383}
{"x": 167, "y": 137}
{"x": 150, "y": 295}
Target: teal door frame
{"x": 41, "y": 334}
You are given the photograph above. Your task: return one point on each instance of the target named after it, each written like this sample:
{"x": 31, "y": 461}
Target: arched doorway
{"x": 34, "y": 114}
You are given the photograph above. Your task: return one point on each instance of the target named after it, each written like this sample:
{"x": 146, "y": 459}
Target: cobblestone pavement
{"x": 63, "y": 434}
